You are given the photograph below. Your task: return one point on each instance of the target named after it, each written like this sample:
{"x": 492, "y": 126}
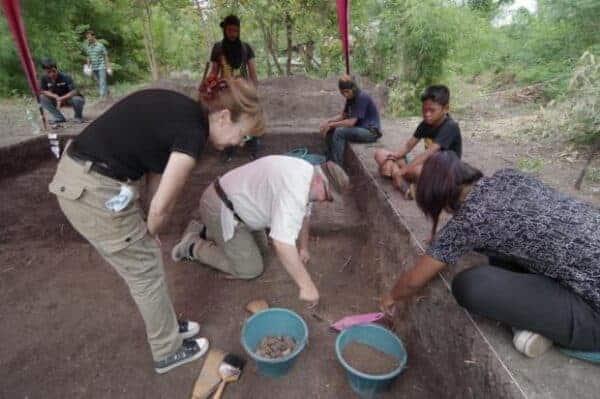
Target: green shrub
{"x": 531, "y": 164}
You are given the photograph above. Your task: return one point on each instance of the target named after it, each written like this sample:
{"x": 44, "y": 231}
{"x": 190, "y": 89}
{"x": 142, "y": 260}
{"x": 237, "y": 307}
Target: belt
{"x": 99, "y": 167}
{"x": 225, "y": 199}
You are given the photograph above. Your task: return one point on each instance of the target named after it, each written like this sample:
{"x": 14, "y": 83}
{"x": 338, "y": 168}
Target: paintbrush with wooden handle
{"x": 230, "y": 370}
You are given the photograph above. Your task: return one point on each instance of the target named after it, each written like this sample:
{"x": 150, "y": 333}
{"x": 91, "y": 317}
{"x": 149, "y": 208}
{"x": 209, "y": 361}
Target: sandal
{"x": 406, "y": 191}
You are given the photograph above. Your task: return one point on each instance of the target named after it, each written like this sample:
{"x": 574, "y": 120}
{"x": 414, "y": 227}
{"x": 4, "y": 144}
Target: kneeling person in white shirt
{"x": 274, "y": 192}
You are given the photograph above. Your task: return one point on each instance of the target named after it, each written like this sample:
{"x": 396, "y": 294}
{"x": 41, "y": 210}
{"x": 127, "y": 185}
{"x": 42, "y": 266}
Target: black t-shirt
{"x": 61, "y": 86}
{"x": 138, "y": 134}
{"x": 447, "y": 135}
{"x": 217, "y": 52}
{"x": 217, "y": 55}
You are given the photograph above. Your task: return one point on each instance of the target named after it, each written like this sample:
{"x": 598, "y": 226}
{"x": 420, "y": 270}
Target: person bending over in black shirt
{"x": 438, "y": 129}
{"x": 156, "y": 134}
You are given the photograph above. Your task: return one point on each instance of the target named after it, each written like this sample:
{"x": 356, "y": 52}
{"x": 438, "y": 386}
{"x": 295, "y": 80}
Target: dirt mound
{"x": 298, "y": 98}
{"x": 184, "y": 86}
{"x": 291, "y": 98}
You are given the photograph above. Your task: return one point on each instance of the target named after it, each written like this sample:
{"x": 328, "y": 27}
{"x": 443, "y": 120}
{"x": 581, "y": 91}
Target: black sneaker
{"x": 227, "y": 154}
{"x": 190, "y": 350}
{"x": 188, "y": 328}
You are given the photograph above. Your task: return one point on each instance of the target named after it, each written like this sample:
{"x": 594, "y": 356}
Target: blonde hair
{"x": 236, "y": 95}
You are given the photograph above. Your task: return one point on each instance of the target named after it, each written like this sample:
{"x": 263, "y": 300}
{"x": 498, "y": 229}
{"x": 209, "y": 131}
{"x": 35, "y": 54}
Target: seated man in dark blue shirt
{"x": 359, "y": 121}
{"x": 58, "y": 90}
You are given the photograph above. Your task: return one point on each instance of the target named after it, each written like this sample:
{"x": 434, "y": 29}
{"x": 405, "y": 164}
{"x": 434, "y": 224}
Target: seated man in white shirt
{"x": 272, "y": 192}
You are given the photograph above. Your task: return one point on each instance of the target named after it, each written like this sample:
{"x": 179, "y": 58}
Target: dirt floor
{"x": 69, "y": 328}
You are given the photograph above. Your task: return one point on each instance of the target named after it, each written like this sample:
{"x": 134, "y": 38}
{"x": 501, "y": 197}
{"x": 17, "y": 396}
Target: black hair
{"x": 90, "y": 32}
{"x": 230, "y": 20}
{"x": 439, "y": 94}
{"x": 347, "y": 82}
{"x": 440, "y": 184}
{"x": 48, "y": 63}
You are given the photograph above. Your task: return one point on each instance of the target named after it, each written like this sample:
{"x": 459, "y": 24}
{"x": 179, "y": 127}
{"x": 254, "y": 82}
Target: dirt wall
{"x": 447, "y": 356}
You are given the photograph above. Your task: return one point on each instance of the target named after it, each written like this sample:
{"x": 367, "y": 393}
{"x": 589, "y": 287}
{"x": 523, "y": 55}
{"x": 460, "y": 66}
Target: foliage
{"x": 531, "y": 164}
{"x": 412, "y": 40}
{"x": 593, "y": 175}
{"x": 544, "y": 47}
{"x": 406, "y": 44}
{"x": 577, "y": 113}
{"x": 583, "y": 102}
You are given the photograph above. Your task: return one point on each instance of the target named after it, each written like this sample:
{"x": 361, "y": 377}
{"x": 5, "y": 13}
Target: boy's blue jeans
{"x": 337, "y": 138}
{"x": 100, "y": 75}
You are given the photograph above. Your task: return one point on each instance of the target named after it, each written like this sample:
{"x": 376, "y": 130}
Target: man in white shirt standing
{"x": 274, "y": 192}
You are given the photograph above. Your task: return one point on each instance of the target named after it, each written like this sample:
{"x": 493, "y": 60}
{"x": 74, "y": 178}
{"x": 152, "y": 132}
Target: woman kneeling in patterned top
{"x": 543, "y": 248}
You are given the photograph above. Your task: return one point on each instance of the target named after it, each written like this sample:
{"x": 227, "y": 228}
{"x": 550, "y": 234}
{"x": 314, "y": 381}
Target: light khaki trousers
{"x": 123, "y": 241}
{"x": 240, "y": 256}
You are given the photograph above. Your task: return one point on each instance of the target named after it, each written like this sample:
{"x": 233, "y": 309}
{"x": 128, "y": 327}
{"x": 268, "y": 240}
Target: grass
{"x": 116, "y": 90}
{"x": 531, "y": 164}
{"x": 593, "y": 175}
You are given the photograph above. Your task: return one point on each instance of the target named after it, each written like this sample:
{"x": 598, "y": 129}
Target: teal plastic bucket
{"x": 367, "y": 385}
{"x": 302, "y": 153}
{"x": 274, "y": 322}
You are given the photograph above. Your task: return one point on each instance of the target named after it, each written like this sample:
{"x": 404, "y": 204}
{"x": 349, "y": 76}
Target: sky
{"x": 505, "y": 19}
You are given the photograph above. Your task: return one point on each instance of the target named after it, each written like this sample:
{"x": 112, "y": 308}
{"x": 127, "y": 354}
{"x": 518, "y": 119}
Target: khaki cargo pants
{"x": 123, "y": 241}
{"x": 240, "y": 256}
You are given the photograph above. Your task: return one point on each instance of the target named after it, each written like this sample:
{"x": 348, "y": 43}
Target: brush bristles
{"x": 235, "y": 361}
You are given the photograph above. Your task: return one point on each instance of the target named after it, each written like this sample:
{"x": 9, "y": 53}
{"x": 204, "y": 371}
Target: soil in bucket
{"x": 274, "y": 347}
{"x": 369, "y": 360}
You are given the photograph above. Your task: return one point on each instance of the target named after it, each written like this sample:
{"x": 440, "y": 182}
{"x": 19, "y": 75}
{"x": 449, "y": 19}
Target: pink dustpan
{"x": 355, "y": 320}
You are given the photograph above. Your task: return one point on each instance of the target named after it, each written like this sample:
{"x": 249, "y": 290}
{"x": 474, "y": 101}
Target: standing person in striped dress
{"x": 97, "y": 58}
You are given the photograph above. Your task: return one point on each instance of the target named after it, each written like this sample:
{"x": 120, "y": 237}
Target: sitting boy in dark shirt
{"x": 438, "y": 129}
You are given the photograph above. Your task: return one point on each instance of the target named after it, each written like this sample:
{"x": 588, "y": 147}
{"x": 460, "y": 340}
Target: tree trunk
{"x": 272, "y": 45}
{"x": 263, "y": 31}
{"x": 288, "y": 32}
{"x": 202, "y": 22}
{"x": 149, "y": 41}
{"x": 308, "y": 51}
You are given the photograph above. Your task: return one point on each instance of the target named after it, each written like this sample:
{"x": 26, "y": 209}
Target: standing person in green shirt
{"x": 97, "y": 58}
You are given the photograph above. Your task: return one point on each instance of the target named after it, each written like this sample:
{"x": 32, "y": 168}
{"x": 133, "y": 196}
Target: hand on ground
{"x": 304, "y": 256}
{"x": 310, "y": 295}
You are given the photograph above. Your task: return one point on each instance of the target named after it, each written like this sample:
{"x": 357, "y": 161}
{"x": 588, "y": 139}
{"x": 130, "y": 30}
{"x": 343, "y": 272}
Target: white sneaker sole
{"x": 182, "y": 247}
{"x": 531, "y": 344}
{"x": 194, "y": 329}
{"x": 202, "y": 343}
{"x": 193, "y": 228}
